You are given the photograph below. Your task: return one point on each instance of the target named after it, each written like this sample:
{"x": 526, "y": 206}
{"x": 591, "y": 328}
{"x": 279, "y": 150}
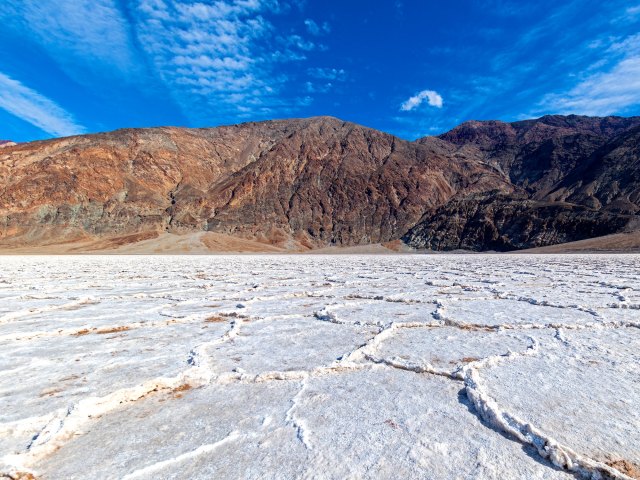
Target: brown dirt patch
{"x": 19, "y": 476}
{"x": 79, "y": 333}
{"x": 628, "y": 468}
{"x": 217, "y": 242}
{"x": 234, "y": 315}
{"x": 50, "y": 392}
{"x": 122, "y": 328}
{"x": 394, "y": 245}
{"x": 182, "y": 388}
{"x": 215, "y": 319}
{"x": 128, "y": 239}
{"x": 469, "y": 359}
{"x": 618, "y": 242}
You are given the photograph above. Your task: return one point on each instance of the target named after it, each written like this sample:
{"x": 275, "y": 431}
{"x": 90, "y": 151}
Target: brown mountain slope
{"x": 319, "y": 182}
{"x": 628, "y": 242}
{"x": 609, "y": 179}
{"x": 537, "y": 154}
{"x": 510, "y": 222}
{"x": 115, "y": 183}
{"x": 310, "y": 182}
{"x": 574, "y": 178}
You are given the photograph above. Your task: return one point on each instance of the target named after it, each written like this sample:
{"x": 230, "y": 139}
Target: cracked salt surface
{"x": 512, "y": 313}
{"x": 447, "y": 349}
{"x": 287, "y": 367}
{"x": 583, "y": 391}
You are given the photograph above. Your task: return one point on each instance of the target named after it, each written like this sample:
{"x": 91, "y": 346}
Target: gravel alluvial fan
{"x": 308, "y": 183}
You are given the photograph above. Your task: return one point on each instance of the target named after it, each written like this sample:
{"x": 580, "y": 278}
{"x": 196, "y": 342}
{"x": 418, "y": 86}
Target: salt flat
{"x": 275, "y": 366}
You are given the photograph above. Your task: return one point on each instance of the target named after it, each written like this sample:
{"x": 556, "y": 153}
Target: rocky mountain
{"x": 318, "y": 182}
{"x": 574, "y": 178}
{"x": 7, "y": 143}
{"x": 307, "y": 183}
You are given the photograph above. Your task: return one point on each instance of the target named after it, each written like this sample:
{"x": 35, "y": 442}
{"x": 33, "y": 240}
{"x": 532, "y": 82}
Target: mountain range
{"x": 306, "y": 184}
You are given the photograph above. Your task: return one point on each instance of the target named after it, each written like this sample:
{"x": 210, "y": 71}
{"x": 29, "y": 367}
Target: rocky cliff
{"x": 573, "y": 177}
{"x": 317, "y": 182}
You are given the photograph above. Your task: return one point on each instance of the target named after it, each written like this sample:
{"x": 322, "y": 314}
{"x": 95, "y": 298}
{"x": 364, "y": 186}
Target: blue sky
{"x": 412, "y": 68}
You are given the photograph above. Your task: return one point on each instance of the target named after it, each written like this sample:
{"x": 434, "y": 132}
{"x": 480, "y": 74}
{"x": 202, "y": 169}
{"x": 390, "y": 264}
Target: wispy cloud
{"x": 602, "y": 93}
{"x": 311, "y": 87}
{"x": 315, "y": 29}
{"x": 298, "y": 41}
{"x": 38, "y": 110}
{"x": 605, "y": 88}
{"x": 630, "y": 15}
{"x": 561, "y": 62}
{"x": 327, "y": 73}
{"x": 219, "y": 59}
{"x": 505, "y": 8}
{"x": 90, "y": 33}
{"x": 324, "y": 79}
{"x": 432, "y": 97}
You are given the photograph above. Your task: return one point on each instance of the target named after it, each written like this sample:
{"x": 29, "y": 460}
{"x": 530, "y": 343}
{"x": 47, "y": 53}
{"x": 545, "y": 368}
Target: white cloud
{"x": 319, "y": 87}
{"x": 432, "y": 97}
{"x": 602, "y": 93}
{"x": 314, "y": 29}
{"x": 327, "y": 73}
{"x": 325, "y": 79}
{"x": 629, "y": 16}
{"x": 299, "y": 42}
{"x": 91, "y": 33}
{"x": 304, "y": 102}
{"x": 602, "y": 90}
{"x": 219, "y": 58}
{"x": 36, "y": 109}
{"x": 216, "y": 58}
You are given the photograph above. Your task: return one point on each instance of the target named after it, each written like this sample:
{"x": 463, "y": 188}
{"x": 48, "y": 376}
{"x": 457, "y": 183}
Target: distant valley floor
{"x": 202, "y": 243}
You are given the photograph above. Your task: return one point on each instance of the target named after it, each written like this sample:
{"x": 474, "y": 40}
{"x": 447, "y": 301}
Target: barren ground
{"x": 349, "y": 366}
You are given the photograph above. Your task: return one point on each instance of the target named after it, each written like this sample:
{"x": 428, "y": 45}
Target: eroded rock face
{"x": 498, "y": 222}
{"x": 537, "y": 154}
{"x": 574, "y": 177}
{"x": 120, "y": 182}
{"x": 337, "y": 183}
{"x": 316, "y": 182}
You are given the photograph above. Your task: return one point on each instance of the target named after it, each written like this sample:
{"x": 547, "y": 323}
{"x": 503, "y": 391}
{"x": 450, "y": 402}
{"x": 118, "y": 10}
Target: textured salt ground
{"x": 448, "y": 348}
{"x": 495, "y": 312}
{"x": 162, "y": 428}
{"x": 286, "y": 345}
{"x": 318, "y": 367}
{"x": 630, "y": 315}
{"x": 399, "y": 425}
{"x": 584, "y": 390}
{"x": 283, "y": 305}
{"x": 377, "y": 312}
{"x": 410, "y": 428}
{"x": 93, "y": 364}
